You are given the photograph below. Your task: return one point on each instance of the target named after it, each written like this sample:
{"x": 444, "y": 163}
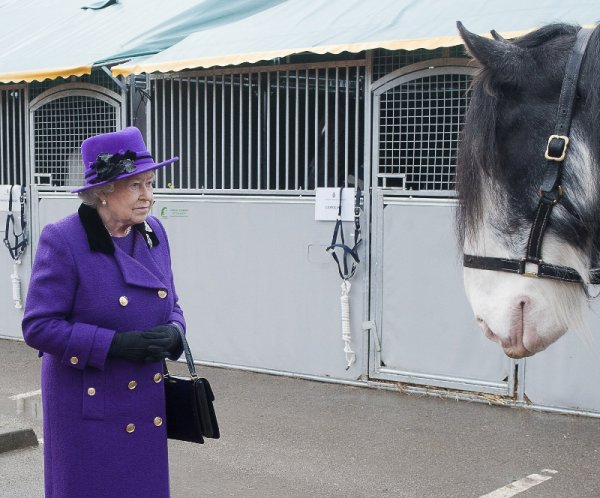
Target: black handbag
{"x": 189, "y": 402}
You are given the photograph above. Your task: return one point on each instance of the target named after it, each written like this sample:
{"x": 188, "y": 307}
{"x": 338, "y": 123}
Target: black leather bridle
{"x": 551, "y": 191}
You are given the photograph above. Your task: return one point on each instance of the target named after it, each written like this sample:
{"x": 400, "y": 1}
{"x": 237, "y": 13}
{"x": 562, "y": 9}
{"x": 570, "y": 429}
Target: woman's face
{"x": 131, "y": 200}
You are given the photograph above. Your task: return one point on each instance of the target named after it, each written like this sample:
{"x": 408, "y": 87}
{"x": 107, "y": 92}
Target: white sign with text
{"x": 327, "y": 203}
{"x": 5, "y": 198}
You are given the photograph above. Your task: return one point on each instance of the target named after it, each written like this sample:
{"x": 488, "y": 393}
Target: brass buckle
{"x": 530, "y": 274}
{"x": 559, "y": 191}
{"x": 565, "y": 139}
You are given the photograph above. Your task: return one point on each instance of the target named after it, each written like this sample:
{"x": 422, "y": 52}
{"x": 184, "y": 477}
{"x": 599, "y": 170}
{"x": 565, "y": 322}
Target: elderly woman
{"x": 102, "y": 310}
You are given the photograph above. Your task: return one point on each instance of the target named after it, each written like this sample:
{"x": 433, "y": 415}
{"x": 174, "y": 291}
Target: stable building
{"x": 266, "y": 103}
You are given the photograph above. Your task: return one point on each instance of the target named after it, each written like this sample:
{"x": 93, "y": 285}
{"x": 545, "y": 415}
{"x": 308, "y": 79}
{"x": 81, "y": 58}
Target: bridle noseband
{"x": 551, "y": 191}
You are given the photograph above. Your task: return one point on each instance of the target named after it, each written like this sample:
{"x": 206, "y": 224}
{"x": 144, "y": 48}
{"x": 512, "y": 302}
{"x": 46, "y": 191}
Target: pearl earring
{"x": 104, "y": 202}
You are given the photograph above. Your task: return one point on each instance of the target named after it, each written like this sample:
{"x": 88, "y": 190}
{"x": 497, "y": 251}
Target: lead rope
{"x": 17, "y": 249}
{"x": 346, "y": 274}
{"x": 346, "y": 331}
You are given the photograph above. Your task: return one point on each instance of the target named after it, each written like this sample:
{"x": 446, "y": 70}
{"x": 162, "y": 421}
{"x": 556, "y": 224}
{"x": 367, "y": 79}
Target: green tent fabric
{"x": 204, "y": 16}
{"x": 335, "y": 26}
{"x": 46, "y": 40}
{"x": 42, "y": 39}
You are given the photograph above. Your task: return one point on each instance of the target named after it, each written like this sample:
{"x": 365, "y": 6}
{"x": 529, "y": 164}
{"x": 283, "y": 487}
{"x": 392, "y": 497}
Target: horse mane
{"x": 477, "y": 157}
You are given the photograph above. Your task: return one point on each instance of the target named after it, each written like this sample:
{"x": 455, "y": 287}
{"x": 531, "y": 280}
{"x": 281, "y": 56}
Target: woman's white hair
{"x": 90, "y": 196}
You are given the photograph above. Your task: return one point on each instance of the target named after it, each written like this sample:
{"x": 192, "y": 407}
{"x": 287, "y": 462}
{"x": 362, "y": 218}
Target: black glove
{"x": 145, "y": 346}
{"x": 171, "y": 332}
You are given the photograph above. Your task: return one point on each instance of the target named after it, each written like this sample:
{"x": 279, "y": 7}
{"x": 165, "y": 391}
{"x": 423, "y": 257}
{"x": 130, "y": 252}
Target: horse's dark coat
{"x": 511, "y": 115}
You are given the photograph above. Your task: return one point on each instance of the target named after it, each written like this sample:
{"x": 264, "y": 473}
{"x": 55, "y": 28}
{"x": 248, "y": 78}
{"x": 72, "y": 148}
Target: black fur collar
{"x": 98, "y": 236}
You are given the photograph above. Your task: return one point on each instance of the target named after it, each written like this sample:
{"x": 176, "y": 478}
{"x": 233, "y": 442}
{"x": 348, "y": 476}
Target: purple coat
{"x": 104, "y": 418}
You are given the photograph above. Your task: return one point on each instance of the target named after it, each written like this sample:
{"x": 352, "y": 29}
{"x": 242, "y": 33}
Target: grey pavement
{"x": 285, "y": 437}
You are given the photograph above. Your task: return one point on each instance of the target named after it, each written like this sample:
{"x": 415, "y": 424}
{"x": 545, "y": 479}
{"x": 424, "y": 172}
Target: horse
{"x": 501, "y": 180}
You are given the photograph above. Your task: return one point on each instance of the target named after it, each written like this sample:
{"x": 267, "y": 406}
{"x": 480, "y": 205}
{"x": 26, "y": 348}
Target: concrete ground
{"x": 284, "y": 437}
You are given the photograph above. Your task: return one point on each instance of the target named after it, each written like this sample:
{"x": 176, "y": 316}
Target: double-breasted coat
{"x": 104, "y": 418}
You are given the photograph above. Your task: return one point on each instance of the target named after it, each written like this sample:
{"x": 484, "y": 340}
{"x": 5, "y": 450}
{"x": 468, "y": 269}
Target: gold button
{"x": 74, "y": 360}
{"x": 162, "y": 293}
{"x": 132, "y": 384}
{"x": 91, "y": 391}
{"x": 157, "y": 421}
{"x": 158, "y": 377}
{"x": 130, "y": 428}
{"x": 123, "y": 301}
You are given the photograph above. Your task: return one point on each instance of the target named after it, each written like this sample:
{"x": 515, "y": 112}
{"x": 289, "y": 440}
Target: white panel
{"x": 56, "y": 207}
{"x": 428, "y": 329}
{"x": 567, "y": 374}
{"x": 256, "y": 286}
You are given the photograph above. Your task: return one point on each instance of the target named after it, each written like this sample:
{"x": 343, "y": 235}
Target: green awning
{"x": 334, "y": 26}
{"x": 40, "y": 39}
{"x": 206, "y": 15}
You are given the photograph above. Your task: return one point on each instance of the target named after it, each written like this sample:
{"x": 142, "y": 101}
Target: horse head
{"x": 500, "y": 169}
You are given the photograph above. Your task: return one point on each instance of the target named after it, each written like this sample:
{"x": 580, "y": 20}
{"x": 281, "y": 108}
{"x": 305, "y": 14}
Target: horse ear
{"x": 497, "y": 36}
{"x": 502, "y": 57}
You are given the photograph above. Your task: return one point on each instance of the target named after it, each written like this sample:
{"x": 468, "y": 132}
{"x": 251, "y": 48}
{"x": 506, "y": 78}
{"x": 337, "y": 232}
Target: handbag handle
{"x": 188, "y": 356}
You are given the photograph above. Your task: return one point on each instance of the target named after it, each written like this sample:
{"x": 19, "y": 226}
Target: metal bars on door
{"x": 13, "y": 132}
{"x": 61, "y": 119}
{"x": 260, "y": 130}
{"x": 421, "y": 109}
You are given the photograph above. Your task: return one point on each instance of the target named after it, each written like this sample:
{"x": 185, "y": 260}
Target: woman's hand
{"x": 171, "y": 332}
{"x": 141, "y": 346}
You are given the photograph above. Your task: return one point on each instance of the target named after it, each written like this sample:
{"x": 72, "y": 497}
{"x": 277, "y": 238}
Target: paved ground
{"x": 285, "y": 437}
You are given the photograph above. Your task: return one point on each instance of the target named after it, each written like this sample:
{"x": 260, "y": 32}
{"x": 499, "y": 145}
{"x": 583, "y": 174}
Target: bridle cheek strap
{"x": 550, "y": 191}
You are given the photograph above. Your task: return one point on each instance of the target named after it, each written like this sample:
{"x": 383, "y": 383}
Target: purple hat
{"x": 114, "y": 156}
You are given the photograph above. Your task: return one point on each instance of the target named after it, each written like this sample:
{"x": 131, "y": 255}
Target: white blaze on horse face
{"x": 523, "y": 315}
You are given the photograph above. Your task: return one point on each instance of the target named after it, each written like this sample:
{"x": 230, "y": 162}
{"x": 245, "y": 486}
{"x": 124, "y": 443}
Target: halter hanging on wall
{"x": 17, "y": 248}
{"x": 19, "y": 244}
{"x": 352, "y": 252}
{"x": 346, "y": 272}
{"x": 551, "y": 190}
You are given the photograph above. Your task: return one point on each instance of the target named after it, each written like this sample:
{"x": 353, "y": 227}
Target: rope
{"x": 346, "y": 272}
{"x": 16, "y": 285}
{"x": 346, "y": 332}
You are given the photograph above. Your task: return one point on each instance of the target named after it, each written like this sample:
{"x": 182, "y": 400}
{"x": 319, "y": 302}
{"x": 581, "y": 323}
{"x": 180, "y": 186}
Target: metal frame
{"x": 424, "y": 69}
{"x": 382, "y": 195}
{"x": 76, "y": 89}
{"x": 366, "y": 221}
{"x": 222, "y": 124}
{"x": 12, "y": 142}
{"x": 86, "y": 90}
